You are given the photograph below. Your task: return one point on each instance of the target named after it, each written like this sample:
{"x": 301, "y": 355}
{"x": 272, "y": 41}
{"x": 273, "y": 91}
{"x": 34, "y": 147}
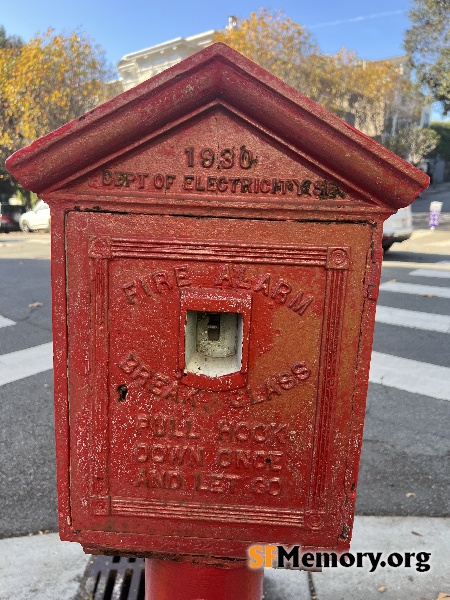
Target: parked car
{"x": 398, "y": 227}
{"x": 9, "y": 216}
{"x": 38, "y": 218}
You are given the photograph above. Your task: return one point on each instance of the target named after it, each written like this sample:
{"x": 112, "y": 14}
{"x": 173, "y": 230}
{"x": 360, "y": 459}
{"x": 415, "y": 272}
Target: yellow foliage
{"x": 47, "y": 82}
{"x": 361, "y": 91}
{"x": 277, "y": 43}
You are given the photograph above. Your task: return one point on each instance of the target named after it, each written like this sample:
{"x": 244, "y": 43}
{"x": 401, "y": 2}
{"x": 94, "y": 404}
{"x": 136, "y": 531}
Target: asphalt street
{"x": 406, "y": 441}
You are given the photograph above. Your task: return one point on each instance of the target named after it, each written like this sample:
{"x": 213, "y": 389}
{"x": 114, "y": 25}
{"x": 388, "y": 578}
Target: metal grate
{"x": 113, "y": 578}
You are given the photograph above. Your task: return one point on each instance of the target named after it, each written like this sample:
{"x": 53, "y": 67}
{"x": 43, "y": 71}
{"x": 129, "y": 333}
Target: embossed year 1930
{"x": 225, "y": 158}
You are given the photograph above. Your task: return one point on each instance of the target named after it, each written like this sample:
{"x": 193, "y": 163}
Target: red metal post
{"x": 170, "y": 580}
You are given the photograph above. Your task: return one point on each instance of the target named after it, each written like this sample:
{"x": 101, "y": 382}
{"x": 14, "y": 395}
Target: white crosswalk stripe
{"x": 413, "y": 319}
{"x": 23, "y": 363}
{"x": 4, "y": 322}
{"x": 415, "y": 288}
{"x": 410, "y": 375}
{"x": 393, "y": 371}
{"x": 431, "y": 273}
{"x": 403, "y": 373}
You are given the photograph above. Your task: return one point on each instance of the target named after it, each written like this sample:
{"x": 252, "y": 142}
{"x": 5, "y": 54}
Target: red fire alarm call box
{"x": 216, "y": 251}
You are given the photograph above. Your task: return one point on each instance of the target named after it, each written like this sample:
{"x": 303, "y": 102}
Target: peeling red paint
{"x": 215, "y": 265}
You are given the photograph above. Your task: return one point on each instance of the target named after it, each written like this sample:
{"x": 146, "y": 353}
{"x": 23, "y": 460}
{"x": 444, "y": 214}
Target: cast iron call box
{"x": 216, "y": 251}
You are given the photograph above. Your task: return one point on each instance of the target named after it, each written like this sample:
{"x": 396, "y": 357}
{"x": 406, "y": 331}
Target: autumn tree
{"x": 57, "y": 77}
{"x": 385, "y": 99}
{"x": 427, "y": 43}
{"x": 277, "y": 43}
{"x": 375, "y": 96}
{"x": 46, "y": 82}
{"x": 9, "y": 134}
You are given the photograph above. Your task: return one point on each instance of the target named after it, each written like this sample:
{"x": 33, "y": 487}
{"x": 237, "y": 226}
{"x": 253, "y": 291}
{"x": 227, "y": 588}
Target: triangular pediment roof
{"x": 217, "y": 76}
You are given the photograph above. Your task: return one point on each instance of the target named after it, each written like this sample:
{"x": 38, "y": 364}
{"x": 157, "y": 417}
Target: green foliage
{"x": 442, "y": 150}
{"x": 28, "y": 199}
{"x": 413, "y": 143}
{"x": 427, "y": 43}
{"x": 7, "y": 189}
{"x": 9, "y": 40}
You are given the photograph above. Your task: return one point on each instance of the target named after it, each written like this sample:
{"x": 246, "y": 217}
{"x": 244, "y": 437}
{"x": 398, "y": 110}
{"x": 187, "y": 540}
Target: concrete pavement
{"x": 41, "y": 567}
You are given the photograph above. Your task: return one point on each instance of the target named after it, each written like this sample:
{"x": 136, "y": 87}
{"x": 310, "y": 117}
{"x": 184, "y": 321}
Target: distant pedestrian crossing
{"x": 402, "y": 373}
{"x": 415, "y": 288}
{"x": 397, "y": 372}
{"x": 413, "y": 319}
{"x": 431, "y": 273}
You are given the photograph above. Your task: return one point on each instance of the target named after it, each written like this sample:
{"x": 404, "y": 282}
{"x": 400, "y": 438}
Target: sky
{"x": 373, "y": 29}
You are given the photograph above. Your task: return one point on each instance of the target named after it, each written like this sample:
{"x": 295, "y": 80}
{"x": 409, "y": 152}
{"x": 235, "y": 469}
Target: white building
{"x": 143, "y": 64}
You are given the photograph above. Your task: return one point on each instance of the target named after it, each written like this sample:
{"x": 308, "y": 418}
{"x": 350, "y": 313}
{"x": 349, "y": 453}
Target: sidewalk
{"x": 44, "y": 568}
